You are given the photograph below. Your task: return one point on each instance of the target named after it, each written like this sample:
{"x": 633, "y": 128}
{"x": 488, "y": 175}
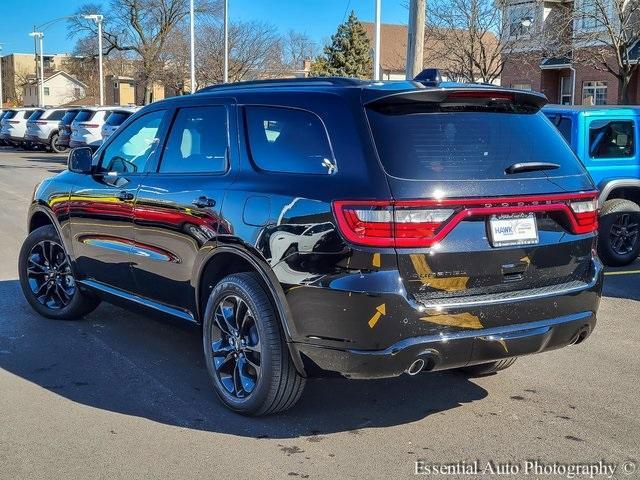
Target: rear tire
{"x": 53, "y": 144}
{"x": 247, "y": 358}
{"x": 619, "y": 232}
{"x": 47, "y": 280}
{"x": 488, "y": 368}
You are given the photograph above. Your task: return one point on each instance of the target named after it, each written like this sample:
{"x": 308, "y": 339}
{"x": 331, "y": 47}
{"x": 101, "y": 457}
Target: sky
{"x": 317, "y": 18}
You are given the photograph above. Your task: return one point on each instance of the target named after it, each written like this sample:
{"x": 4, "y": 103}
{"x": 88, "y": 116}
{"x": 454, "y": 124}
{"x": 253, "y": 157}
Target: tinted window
{"x": 563, "y": 124}
{"x": 118, "y": 118}
{"x": 197, "y": 142}
{"x": 467, "y": 145}
{"x": 55, "y": 115}
{"x": 131, "y": 149}
{"x": 611, "y": 139}
{"x": 9, "y": 114}
{"x": 69, "y": 116}
{"x": 84, "y": 115}
{"x": 288, "y": 140}
{"x": 26, "y": 114}
{"x": 36, "y": 115}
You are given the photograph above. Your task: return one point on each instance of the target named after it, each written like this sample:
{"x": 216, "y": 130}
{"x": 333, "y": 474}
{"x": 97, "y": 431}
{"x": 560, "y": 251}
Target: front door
{"x": 178, "y": 206}
{"x": 101, "y": 206}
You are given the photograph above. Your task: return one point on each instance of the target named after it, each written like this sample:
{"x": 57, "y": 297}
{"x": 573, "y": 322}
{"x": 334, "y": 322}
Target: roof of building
{"x": 32, "y": 80}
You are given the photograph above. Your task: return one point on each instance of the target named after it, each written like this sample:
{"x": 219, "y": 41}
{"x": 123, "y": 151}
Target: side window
{"x": 612, "y": 139}
{"x": 288, "y": 140}
{"x": 197, "y": 142}
{"x": 130, "y": 150}
{"x": 563, "y": 124}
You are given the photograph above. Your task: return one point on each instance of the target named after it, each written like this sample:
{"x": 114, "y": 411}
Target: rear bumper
{"x": 454, "y": 336}
{"x": 36, "y": 139}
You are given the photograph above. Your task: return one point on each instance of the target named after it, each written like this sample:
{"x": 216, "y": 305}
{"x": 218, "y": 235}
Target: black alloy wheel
{"x": 235, "y": 346}
{"x": 49, "y": 275}
{"x": 624, "y": 234}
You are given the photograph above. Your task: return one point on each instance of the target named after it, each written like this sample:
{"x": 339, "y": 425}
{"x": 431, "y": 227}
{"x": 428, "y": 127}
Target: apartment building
{"x": 553, "y": 42}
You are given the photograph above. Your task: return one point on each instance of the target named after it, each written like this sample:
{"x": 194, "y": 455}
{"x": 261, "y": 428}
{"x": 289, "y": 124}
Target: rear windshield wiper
{"x": 530, "y": 167}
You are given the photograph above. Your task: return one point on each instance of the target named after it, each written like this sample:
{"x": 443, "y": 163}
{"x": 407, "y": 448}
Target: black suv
{"x": 328, "y": 226}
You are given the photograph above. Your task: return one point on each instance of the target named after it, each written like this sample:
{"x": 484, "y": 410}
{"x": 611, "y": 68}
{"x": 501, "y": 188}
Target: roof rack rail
{"x": 287, "y": 82}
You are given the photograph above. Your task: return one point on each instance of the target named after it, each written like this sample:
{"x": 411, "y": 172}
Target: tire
{"x": 274, "y": 387}
{"x": 488, "y": 368}
{"x": 53, "y": 144}
{"x": 39, "y": 261}
{"x": 619, "y": 232}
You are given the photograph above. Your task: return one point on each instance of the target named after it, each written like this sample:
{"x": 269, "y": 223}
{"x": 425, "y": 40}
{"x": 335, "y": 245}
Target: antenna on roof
{"x": 429, "y": 77}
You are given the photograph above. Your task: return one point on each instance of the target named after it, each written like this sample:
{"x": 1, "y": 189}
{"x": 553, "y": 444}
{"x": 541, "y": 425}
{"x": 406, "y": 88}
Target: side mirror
{"x": 81, "y": 160}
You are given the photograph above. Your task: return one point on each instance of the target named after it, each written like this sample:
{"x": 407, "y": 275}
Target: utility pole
{"x": 40, "y": 36}
{"x": 1, "y": 97}
{"x": 225, "y": 76}
{"x": 193, "y": 46}
{"x": 376, "y": 53}
{"x": 415, "y": 43}
{"x": 98, "y": 19}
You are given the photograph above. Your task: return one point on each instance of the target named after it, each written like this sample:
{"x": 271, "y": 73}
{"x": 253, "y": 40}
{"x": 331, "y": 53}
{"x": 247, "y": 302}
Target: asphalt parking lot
{"x": 121, "y": 395}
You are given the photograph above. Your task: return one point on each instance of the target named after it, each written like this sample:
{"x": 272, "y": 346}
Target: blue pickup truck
{"x": 606, "y": 140}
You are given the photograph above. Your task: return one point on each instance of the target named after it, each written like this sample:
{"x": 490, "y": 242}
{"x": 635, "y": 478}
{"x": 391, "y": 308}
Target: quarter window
{"x": 594, "y": 93}
{"x": 197, "y": 142}
{"x": 609, "y": 139}
{"x": 130, "y": 150}
{"x": 288, "y": 140}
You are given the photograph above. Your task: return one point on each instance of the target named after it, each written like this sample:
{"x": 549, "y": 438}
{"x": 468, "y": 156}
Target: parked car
{"x": 2, "y": 114}
{"x": 606, "y": 140}
{"x": 14, "y": 127}
{"x": 328, "y": 226}
{"x": 86, "y": 128}
{"x": 64, "y": 127}
{"x": 116, "y": 119}
{"x": 43, "y": 128}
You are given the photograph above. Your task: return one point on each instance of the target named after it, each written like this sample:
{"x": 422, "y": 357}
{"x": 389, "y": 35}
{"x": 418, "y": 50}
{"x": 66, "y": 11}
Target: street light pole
{"x": 376, "y": 55}
{"x": 40, "y": 36}
{"x": 98, "y": 19}
{"x": 193, "y": 48}
{"x": 1, "y": 97}
{"x": 225, "y": 77}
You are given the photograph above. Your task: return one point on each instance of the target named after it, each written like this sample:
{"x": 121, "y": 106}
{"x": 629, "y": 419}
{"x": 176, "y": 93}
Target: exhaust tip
{"x": 416, "y": 367}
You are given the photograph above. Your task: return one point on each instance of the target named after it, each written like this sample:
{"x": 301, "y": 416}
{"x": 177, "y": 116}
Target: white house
{"x": 59, "y": 88}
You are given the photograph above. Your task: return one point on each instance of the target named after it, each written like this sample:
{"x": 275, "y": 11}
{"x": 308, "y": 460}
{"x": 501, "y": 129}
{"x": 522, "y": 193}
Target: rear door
{"x": 178, "y": 205}
{"x": 486, "y": 193}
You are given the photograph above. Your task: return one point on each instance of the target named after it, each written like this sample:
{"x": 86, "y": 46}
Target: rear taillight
{"x": 13, "y": 121}
{"x": 423, "y": 223}
{"x": 40, "y": 122}
{"x": 585, "y": 213}
{"x": 88, "y": 125}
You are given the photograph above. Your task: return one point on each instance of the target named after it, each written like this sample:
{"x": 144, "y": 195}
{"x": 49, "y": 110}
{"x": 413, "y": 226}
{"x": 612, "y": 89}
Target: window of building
{"x": 566, "y": 87}
{"x": 611, "y": 139}
{"x": 46, "y": 91}
{"x": 590, "y": 15}
{"x": 521, "y": 86}
{"x": 198, "y": 141}
{"x": 288, "y": 140}
{"x": 594, "y": 93}
{"x": 77, "y": 92}
{"x": 521, "y": 19}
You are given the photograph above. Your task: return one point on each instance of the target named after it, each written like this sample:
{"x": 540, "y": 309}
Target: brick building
{"x": 563, "y": 79}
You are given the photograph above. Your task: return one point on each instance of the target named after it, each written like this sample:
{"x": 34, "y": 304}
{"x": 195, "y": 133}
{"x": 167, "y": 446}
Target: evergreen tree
{"x": 348, "y": 55}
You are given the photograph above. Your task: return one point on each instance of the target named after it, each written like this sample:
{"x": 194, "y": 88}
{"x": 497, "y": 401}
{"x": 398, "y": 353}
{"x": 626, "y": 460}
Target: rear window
{"x": 68, "y": 117}
{"x": 36, "y": 115}
{"x": 55, "y": 115}
{"x": 117, "y": 118}
{"x": 9, "y": 114}
{"x": 85, "y": 115}
{"x": 470, "y": 145}
{"x": 288, "y": 140}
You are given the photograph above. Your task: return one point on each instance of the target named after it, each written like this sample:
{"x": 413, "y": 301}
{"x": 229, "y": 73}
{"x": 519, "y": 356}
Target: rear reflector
{"x": 423, "y": 223}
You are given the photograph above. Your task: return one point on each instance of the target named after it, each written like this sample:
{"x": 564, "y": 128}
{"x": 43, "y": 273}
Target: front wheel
{"x": 247, "y": 358}
{"x": 47, "y": 280}
{"x": 619, "y": 232}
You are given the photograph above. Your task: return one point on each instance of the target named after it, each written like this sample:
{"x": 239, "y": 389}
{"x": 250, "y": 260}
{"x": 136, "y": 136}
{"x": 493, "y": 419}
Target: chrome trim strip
{"x": 145, "y": 302}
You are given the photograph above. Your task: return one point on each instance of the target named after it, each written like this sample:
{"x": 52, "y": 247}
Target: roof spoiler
{"x": 471, "y": 95}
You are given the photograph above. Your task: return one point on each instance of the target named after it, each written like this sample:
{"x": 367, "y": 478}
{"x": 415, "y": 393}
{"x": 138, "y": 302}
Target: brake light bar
{"x": 423, "y": 223}
{"x": 488, "y": 95}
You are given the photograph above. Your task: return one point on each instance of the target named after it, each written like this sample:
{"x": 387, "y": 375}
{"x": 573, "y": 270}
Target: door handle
{"x": 125, "y": 196}
{"x": 204, "y": 202}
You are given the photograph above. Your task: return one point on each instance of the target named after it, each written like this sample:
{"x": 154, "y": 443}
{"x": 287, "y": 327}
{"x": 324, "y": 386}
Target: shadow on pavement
{"x": 135, "y": 365}
{"x": 623, "y": 282}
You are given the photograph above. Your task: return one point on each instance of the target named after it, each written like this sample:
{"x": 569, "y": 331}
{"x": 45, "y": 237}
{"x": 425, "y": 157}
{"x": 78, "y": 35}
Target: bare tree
{"x": 471, "y": 38}
{"x": 298, "y": 47}
{"x": 604, "y": 34}
{"x": 140, "y": 27}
